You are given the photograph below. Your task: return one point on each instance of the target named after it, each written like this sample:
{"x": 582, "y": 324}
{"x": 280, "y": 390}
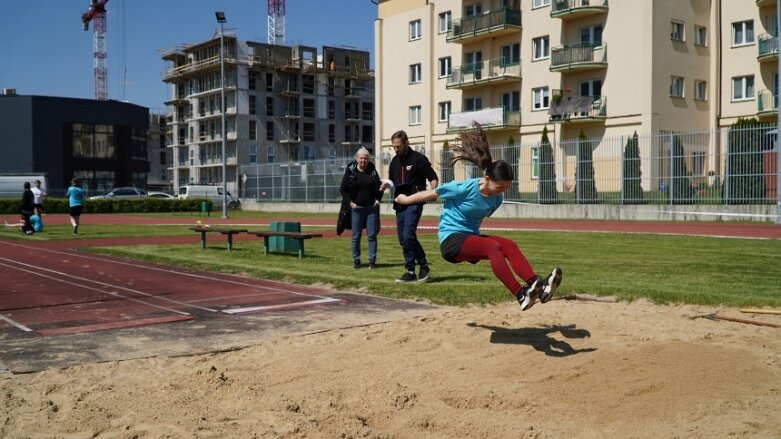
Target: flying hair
{"x": 472, "y": 146}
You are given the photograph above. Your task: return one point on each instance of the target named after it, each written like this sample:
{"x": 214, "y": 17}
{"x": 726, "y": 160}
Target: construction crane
{"x": 97, "y": 15}
{"x": 276, "y": 21}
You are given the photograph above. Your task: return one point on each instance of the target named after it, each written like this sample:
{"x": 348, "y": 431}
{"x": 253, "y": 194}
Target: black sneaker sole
{"x": 553, "y": 282}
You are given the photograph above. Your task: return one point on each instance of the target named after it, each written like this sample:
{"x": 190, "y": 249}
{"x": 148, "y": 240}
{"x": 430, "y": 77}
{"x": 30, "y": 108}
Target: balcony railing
{"x": 491, "y": 22}
{"x": 488, "y": 118}
{"x": 577, "y": 8}
{"x": 497, "y": 70}
{"x": 767, "y": 46}
{"x": 576, "y": 108}
{"x": 767, "y": 102}
{"x": 578, "y": 56}
{"x": 763, "y": 3}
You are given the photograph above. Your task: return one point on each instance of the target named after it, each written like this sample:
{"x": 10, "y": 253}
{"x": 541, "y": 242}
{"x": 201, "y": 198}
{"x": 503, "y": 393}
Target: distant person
{"x": 408, "y": 172}
{"x": 27, "y": 208}
{"x": 35, "y": 221}
{"x": 360, "y": 189}
{"x": 39, "y": 195}
{"x": 75, "y": 196}
{"x": 466, "y": 204}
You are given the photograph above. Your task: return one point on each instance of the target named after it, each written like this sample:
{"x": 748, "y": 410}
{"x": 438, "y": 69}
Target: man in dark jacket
{"x": 408, "y": 171}
{"x": 27, "y": 208}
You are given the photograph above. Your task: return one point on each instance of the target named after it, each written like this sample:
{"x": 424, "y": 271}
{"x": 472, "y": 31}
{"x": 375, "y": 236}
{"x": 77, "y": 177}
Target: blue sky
{"x": 46, "y": 51}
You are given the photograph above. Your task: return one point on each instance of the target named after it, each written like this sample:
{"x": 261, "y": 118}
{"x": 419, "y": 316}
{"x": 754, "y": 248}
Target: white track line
{"x": 281, "y": 306}
{"x": 15, "y": 323}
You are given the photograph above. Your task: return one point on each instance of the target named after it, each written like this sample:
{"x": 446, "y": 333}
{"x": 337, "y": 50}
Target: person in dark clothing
{"x": 361, "y": 189}
{"x": 27, "y": 208}
{"x": 408, "y": 172}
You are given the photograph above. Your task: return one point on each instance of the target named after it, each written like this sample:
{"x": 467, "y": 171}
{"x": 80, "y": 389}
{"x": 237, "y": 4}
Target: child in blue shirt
{"x": 466, "y": 204}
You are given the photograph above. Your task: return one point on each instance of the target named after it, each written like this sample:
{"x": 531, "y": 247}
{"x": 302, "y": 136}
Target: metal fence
{"x": 728, "y": 166}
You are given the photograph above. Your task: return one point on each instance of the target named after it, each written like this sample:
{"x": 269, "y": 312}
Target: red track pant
{"x": 499, "y": 251}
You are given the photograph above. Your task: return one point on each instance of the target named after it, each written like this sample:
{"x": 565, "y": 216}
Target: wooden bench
{"x": 300, "y": 237}
{"x": 222, "y": 230}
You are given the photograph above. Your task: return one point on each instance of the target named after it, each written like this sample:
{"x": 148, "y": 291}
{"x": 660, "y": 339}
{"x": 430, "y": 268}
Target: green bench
{"x": 297, "y": 236}
{"x": 222, "y": 230}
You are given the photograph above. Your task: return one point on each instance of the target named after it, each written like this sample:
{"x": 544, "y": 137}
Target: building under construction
{"x": 282, "y": 104}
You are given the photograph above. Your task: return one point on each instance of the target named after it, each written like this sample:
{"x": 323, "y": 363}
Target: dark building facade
{"x": 103, "y": 143}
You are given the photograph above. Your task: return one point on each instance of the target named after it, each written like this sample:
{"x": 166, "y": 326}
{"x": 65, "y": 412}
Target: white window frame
{"x": 676, "y": 86}
{"x": 540, "y": 4}
{"x": 415, "y": 30}
{"x": 541, "y": 46}
{"x": 415, "y": 113}
{"x": 511, "y": 101}
{"x": 444, "y": 111}
{"x": 415, "y": 74}
{"x": 270, "y": 152}
{"x": 700, "y": 90}
{"x": 540, "y": 98}
{"x": 445, "y": 67}
{"x": 744, "y": 85}
{"x": 445, "y": 22}
{"x": 477, "y": 104}
{"x": 677, "y": 30}
{"x": 253, "y": 153}
{"x": 742, "y": 28}
{"x": 473, "y": 10}
{"x": 700, "y": 36}
{"x": 534, "y": 172}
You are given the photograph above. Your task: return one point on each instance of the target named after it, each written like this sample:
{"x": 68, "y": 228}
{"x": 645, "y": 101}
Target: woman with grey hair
{"x": 361, "y": 191}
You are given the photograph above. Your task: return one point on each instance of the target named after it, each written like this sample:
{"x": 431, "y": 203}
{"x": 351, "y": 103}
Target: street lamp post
{"x": 221, "y": 19}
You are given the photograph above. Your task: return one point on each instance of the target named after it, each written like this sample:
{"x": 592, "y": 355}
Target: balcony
{"x": 767, "y": 46}
{"x": 767, "y": 104}
{"x": 489, "y": 25}
{"x": 571, "y": 9}
{"x": 763, "y": 3}
{"x": 578, "y": 57}
{"x": 490, "y": 119}
{"x": 495, "y": 71}
{"x": 577, "y": 108}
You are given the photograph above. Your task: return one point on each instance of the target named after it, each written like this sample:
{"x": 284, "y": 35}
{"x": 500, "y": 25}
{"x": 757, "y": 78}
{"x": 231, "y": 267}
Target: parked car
{"x": 161, "y": 195}
{"x": 122, "y": 192}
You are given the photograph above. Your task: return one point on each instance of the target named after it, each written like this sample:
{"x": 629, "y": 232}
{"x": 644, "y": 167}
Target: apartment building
{"x": 159, "y": 154}
{"x": 282, "y": 104}
{"x": 607, "y": 69}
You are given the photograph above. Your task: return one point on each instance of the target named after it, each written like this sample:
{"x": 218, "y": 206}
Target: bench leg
{"x": 230, "y": 241}
{"x": 203, "y": 239}
{"x": 301, "y": 249}
{"x": 265, "y": 245}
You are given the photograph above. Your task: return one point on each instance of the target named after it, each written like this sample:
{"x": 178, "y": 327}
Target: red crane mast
{"x": 97, "y": 15}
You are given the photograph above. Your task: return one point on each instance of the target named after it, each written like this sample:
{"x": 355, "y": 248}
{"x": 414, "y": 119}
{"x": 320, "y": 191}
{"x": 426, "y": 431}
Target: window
{"x": 742, "y": 88}
{"x": 676, "y": 86}
{"x": 253, "y": 153}
{"x": 332, "y": 153}
{"x": 414, "y": 30}
{"x": 270, "y": 106}
{"x": 743, "y": 33}
{"x": 676, "y": 34}
{"x": 511, "y": 101}
{"x": 540, "y": 48}
{"x": 270, "y": 154}
{"x": 269, "y": 81}
{"x": 414, "y": 74}
{"x": 444, "y": 67}
{"x": 473, "y": 104}
{"x": 535, "y": 170}
{"x": 269, "y": 130}
{"x": 540, "y": 3}
{"x": 445, "y": 22}
{"x": 591, "y": 35}
{"x": 700, "y": 90}
{"x": 511, "y": 54}
{"x": 414, "y": 115}
{"x": 700, "y": 36}
{"x": 591, "y": 88}
{"x": 444, "y": 111}
{"x": 698, "y": 163}
{"x": 253, "y": 130}
{"x": 473, "y": 10}
{"x": 251, "y": 80}
{"x": 540, "y": 98}
{"x": 332, "y": 133}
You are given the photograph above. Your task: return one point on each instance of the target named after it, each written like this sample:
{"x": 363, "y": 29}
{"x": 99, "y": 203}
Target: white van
{"x": 212, "y": 193}
{"x": 12, "y": 185}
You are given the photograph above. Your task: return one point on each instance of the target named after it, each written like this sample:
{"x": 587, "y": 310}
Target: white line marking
{"x": 284, "y": 305}
{"x": 15, "y": 323}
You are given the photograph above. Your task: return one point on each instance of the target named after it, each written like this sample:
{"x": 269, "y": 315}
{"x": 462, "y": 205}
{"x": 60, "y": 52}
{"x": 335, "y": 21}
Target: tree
{"x": 546, "y": 190}
{"x": 744, "y": 162}
{"x": 682, "y": 185}
{"x": 584, "y": 176}
{"x": 633, "y": 190}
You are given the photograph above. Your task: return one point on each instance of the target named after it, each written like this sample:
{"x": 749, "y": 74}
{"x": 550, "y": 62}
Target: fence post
{"x": 623, "y": 160}
{"x": 670, "y": 191}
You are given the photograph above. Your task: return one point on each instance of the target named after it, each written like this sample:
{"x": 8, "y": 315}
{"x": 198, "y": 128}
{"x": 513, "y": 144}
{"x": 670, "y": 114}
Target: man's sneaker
{"x": 424, "y": 272}
{"x": 357, "y": 264}
{"x": 528, "y": 294}
{"x": 372, "y": 265}
{"x": 551, "y": 285}
{"x": 408, "y": 276}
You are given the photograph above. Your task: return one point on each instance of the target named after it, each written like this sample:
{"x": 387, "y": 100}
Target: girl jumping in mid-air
{"x": 467, "y": 203}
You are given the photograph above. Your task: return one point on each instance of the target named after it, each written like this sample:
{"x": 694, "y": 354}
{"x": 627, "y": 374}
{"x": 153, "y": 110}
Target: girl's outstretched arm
{"x": 418, "y": 197}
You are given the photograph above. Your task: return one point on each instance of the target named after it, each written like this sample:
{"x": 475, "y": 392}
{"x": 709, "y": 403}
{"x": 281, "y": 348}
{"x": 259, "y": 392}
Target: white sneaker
{"x": 552, "y": 283}
{"x": 529, "y": 293}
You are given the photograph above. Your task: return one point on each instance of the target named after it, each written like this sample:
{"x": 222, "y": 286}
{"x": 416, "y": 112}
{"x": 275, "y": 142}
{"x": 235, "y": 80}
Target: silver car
{"x": 122, "y": 192}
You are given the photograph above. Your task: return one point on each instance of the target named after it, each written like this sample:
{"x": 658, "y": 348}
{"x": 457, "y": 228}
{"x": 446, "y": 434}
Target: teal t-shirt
{"x": 75, "y": 196}
{"x": 465, "y": 207}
